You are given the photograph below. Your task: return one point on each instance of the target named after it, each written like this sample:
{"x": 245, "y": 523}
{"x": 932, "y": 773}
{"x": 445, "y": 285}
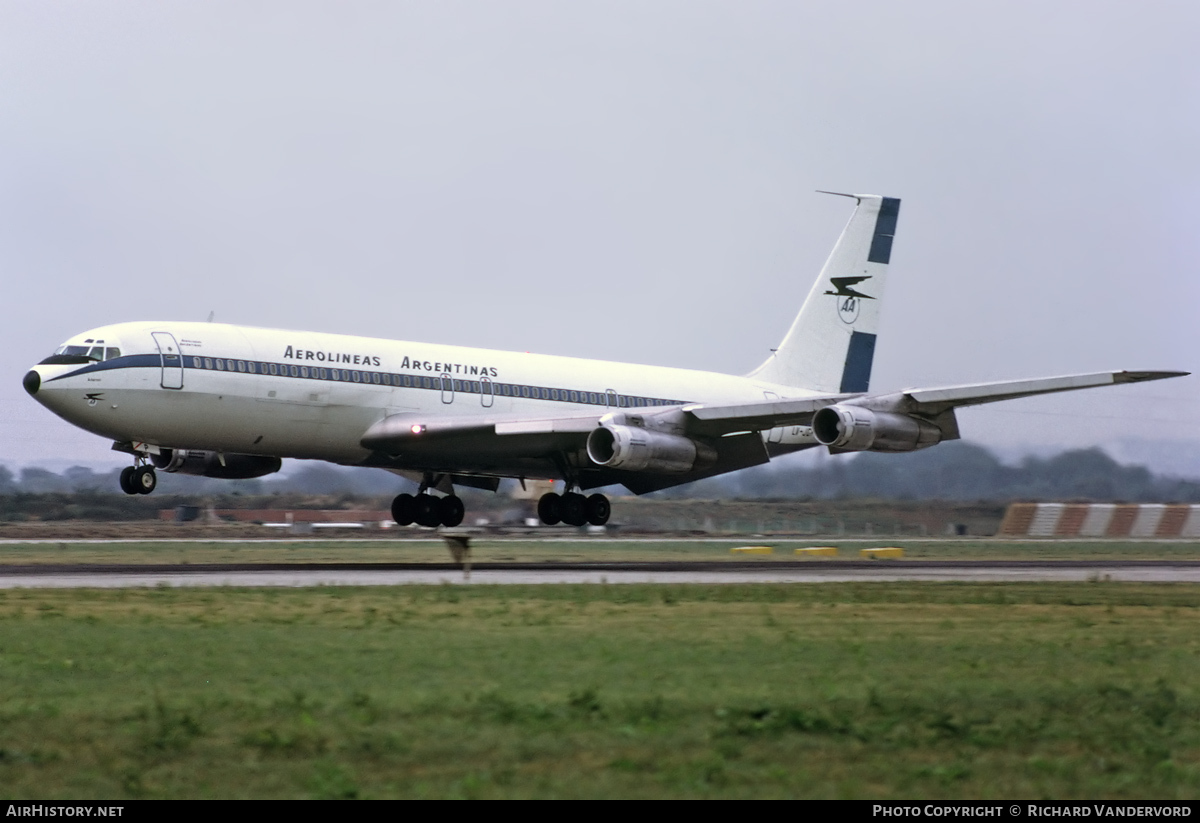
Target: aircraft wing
{"x": 712, "y": 420}
{"x": 511, "y": 445}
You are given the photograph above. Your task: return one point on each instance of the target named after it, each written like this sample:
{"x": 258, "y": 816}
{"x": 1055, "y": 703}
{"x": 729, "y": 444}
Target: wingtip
{"x": 1144, "y": 376}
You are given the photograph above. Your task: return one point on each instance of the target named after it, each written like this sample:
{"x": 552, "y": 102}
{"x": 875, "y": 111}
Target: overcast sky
{"x": 619, "y": 180}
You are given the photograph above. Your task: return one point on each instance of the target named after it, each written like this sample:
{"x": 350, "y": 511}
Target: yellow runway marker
{"x": 885, "y": 553}
{"x": 752, "y": 550}
{"x": 818, "y": 551}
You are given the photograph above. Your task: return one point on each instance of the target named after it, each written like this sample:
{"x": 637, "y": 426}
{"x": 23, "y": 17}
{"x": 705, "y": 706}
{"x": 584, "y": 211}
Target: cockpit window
{"x": 78, "y": 351}
{"x": 78, "y": 355}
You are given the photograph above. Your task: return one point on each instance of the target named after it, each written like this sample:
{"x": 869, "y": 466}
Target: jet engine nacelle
{"x": 854, "y": 429}
{"x": 636, "y": 449}
{"x": 211, "y": 464}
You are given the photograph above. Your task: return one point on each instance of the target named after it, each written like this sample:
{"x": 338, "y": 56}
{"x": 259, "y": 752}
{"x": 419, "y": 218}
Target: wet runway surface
{"x": 723, "y": 572}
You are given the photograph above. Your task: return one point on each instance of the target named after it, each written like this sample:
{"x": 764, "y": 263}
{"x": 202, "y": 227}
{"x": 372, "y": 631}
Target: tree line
{"x": 954, "y": 471}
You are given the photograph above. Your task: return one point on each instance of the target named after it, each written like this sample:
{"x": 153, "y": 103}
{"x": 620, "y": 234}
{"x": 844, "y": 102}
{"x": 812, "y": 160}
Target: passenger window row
{"x": 414, "y": 381}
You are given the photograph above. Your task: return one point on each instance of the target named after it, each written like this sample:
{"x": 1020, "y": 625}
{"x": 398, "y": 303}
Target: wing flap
{"x": 552, "y": 425}
{"x": 407, "y": 428}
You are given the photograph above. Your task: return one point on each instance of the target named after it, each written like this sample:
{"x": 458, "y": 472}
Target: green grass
{"x": 519, "y": 549}
{"x": 836, "y": 690}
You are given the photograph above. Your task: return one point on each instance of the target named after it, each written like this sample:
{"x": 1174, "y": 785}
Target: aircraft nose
{"x": 32, "y": 382}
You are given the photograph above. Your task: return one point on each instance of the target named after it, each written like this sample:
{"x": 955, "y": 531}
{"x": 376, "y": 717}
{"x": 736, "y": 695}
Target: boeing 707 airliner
{"x": 231, "y": 401}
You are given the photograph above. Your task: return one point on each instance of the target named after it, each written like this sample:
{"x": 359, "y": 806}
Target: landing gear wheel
{"x": 126, "y": 480}
{"x": 451, "y": 510}
{"x": 428, "y": 511}
{"x": 550, "y": 509}
{"x": 574, "y": 509}
{"x": 404, "y": 509}
{"x": 598, "y": 509}
{"x": 144, "y": 480}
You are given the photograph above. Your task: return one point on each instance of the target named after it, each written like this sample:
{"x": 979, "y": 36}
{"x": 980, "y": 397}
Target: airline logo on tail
{"x": 844, "y": 286}
{"x": 847, "y": 305}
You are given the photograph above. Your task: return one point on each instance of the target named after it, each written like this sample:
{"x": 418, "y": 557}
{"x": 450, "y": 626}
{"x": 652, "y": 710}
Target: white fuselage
{"x": 249, "y": 390}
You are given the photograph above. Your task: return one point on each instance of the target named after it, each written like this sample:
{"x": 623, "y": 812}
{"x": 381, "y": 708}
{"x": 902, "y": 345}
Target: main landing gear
{"x": 426, "y": 510}
{"x": 138, "y": 479}
{"x": 570, "y": 508}
{"x": 574, "y": 509}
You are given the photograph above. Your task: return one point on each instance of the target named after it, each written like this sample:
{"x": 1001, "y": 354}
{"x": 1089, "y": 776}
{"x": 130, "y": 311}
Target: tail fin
{"x": 831, "y": 344}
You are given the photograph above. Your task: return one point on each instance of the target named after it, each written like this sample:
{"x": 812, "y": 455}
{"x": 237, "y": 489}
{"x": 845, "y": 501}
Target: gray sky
{"x": 618, "y": 180}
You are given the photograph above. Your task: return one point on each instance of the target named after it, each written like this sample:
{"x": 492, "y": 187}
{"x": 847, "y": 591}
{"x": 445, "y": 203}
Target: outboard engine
{"x": 854, "y": 428}
{"x": 213, "y": 464}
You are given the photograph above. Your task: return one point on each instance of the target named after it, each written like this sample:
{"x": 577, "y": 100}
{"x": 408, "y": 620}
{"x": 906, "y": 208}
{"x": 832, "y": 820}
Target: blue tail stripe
{"x": 885, "y": 230}
{"x": 856, "y": 376}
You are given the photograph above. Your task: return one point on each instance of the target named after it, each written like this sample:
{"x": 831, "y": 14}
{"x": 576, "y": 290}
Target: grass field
{"x": 834, "y": 690}
{"x": 516, "y": 549}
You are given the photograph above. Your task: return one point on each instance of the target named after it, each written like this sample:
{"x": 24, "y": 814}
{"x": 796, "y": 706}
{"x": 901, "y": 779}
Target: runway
{"x": 396, "y": 574}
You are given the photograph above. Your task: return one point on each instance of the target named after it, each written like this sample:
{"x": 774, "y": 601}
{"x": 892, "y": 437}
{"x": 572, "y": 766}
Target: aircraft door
{"x": 610, "y": 397}
{"x": 486, "y": 397}
{"x": 172, "y": 361}
{"x": 447, "y": 389}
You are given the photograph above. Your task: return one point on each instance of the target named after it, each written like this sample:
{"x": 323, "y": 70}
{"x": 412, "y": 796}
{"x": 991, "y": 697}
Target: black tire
{"x": 550, "y": 509}
{"x": 144, "y": 480}
{"x": 404, "y": 509}
{"x": 428, "y": 511}
{"x": 452, "y": 510}
{"x": 126, "y": 480}
{"x": 598, "y": 509}
{"x": 574, "y": 509}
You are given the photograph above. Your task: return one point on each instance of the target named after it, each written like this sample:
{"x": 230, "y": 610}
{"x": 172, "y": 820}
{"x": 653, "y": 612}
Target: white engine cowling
{"x": 853, "y": 428}
{"x": 211, "y": 464}
{"x": 636, "y": 449}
